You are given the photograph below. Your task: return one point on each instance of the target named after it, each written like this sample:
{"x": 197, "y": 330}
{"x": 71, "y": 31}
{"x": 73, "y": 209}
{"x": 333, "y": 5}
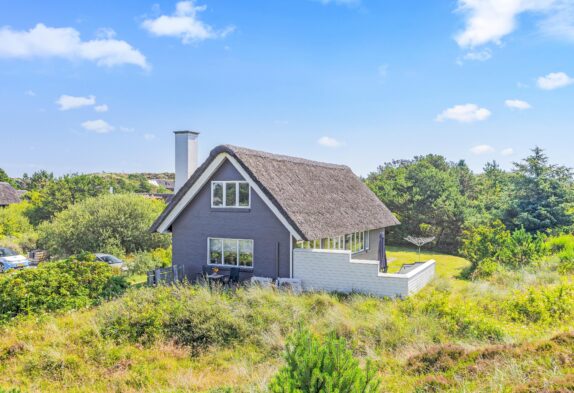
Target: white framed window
{"x": 230, "y": 252}
{"x": 233, "y": 194}
{"x": 354, "y": 242}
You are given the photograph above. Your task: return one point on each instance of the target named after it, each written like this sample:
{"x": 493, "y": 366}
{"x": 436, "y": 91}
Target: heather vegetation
{"x": 508, "y": 332}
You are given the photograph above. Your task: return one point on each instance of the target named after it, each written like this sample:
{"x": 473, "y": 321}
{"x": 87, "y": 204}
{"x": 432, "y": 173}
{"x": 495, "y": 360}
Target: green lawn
{"x": 447, "y": 266}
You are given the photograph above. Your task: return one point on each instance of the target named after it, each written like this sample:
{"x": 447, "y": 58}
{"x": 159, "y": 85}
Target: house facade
{"x": 253, "y": 210}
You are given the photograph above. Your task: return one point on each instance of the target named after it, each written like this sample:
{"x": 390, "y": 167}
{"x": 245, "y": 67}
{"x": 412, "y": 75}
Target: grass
{"x": 447, "y": 266}
{"x": 454, "y": 336}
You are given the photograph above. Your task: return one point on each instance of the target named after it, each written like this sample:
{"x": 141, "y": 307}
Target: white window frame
{"x": 222, "y": 239}
{"x": 338, "y": 242}
{"x": 224, "y": 200}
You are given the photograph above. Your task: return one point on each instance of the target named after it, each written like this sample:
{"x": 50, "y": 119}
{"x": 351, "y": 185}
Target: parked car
{"x": 10, "y": 259}
{"x": 111, "y": 260}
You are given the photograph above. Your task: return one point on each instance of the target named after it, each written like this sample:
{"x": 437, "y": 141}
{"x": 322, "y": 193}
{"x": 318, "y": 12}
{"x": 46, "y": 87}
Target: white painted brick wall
{"x": 323, "y": 270}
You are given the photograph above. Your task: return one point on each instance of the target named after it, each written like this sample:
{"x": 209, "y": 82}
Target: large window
{"x": 230, "y": 194}
{"x": 231, "y": 252}
{"x": 354, "y": 242}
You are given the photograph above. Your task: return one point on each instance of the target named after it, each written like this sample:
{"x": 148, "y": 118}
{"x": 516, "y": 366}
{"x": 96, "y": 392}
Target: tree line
{"x": 432, "y": 196}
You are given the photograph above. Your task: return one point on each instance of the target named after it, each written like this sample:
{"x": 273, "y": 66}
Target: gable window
{"x": 230, "y": 194}
{"x": 230, "y": 252}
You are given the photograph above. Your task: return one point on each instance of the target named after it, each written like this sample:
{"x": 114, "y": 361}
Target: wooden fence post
{"x": 157, "y": 276}
{"x": 175, "y": 273}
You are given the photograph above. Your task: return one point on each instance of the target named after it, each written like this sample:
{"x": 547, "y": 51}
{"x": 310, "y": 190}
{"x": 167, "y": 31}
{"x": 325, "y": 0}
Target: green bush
{"x": 142, "y": 262}
{"x": 486, "y": 268}
{"x": 315, "y": 366}
{"x": 55, "y": 286}
{"x": 487, "y": 245}
{"x": 13, "y": 221}
{"x": 462, "y": 319}
{"x": 107, "y": 223}
{"x": 190, "y": 316}
{"x": 563, "y": 247}
{"x": 542, "y": 305}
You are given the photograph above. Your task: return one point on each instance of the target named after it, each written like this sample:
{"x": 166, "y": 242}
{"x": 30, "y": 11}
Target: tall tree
{"x": 428, "y": 196}
{"x": 37, "y": 181}
{"x": 541, "y": 195}
{"x": 67, "y": 190}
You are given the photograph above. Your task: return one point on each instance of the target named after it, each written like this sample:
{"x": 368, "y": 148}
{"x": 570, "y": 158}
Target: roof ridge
{"x": 281, "y": 157}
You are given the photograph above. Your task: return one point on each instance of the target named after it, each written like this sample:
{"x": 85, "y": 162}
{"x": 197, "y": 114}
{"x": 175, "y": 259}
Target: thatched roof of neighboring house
{"x": 8, "y": 194}
{"x": 165, "y": 197}
{"x": 319, "y": 200}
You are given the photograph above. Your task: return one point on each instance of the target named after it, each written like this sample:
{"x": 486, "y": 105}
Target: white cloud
{"x": 464, "y": 113}
{"x": 554, "y": 80}
{"x": 329, "y": 142}
{"x": 507, "y": 152}
{"x": 560, "y": 22}
{"x": 488, "y": 21}
{"x": 517, "y": 104}
{"x": 149, "y": 137}
{"x": 65, "y": 42}
{"x": 98, "y": 126}
{"x": 184, "y": 24}
{"x": 126, "y": 129}
{"x": 101, "y": 108}
{"x": 482, "y": 149}
{"x": 30, "y": 93}
{"x": 70, "y": 102}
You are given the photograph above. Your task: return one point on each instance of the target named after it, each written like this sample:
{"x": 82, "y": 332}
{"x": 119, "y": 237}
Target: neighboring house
{"x": 8, "y": 195}
{"x": 167, "y": 184}
{"x": 252, "y": 209}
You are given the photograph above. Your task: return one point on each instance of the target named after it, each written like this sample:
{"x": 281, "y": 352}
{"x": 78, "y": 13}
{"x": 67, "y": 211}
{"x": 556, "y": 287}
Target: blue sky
{"x": 99, "y": 86}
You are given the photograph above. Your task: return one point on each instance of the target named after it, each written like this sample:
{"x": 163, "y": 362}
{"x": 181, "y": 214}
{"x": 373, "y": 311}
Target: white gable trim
{"x": 204, "y": 178}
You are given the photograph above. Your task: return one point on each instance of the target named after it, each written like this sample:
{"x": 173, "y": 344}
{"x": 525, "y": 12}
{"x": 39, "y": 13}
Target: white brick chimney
{"x": 185, "y": 156}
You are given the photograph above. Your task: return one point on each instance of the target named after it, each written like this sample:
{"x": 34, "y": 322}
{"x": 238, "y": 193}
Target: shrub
{"x": 57, "y": 286}
{"x": 314, "y": 366}
{"x": 484, "y": 242}
{"x": 142, "y": 262}
{"x": 486, "y": 268}
{"x": 13, "y": 220}
{"x": 523, "y": 248}
{"x": 563, "y": 247}
{"x": 487, "y": 245}
{"x": 192, "y": 317}
{"x": 542, "y": 305}
{"x": 103, "y": 224}
{"x": 460, "y": 318}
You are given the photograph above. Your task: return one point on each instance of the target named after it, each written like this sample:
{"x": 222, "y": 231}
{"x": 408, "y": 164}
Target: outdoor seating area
{"x": 231, "y": 278}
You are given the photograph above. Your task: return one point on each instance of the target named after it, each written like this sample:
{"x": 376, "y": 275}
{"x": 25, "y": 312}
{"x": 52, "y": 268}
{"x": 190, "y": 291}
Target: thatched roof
{"x": 8, "y": 194}
{"x": 319, "y": 200}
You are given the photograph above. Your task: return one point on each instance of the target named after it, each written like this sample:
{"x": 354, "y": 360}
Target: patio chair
{"x": 205, "y": 271}
{"x": 233, "y": 277}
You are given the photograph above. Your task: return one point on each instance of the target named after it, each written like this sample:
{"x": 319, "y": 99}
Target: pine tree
{"x": 322, "y": 367}
{"x": 541, "y": 195}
